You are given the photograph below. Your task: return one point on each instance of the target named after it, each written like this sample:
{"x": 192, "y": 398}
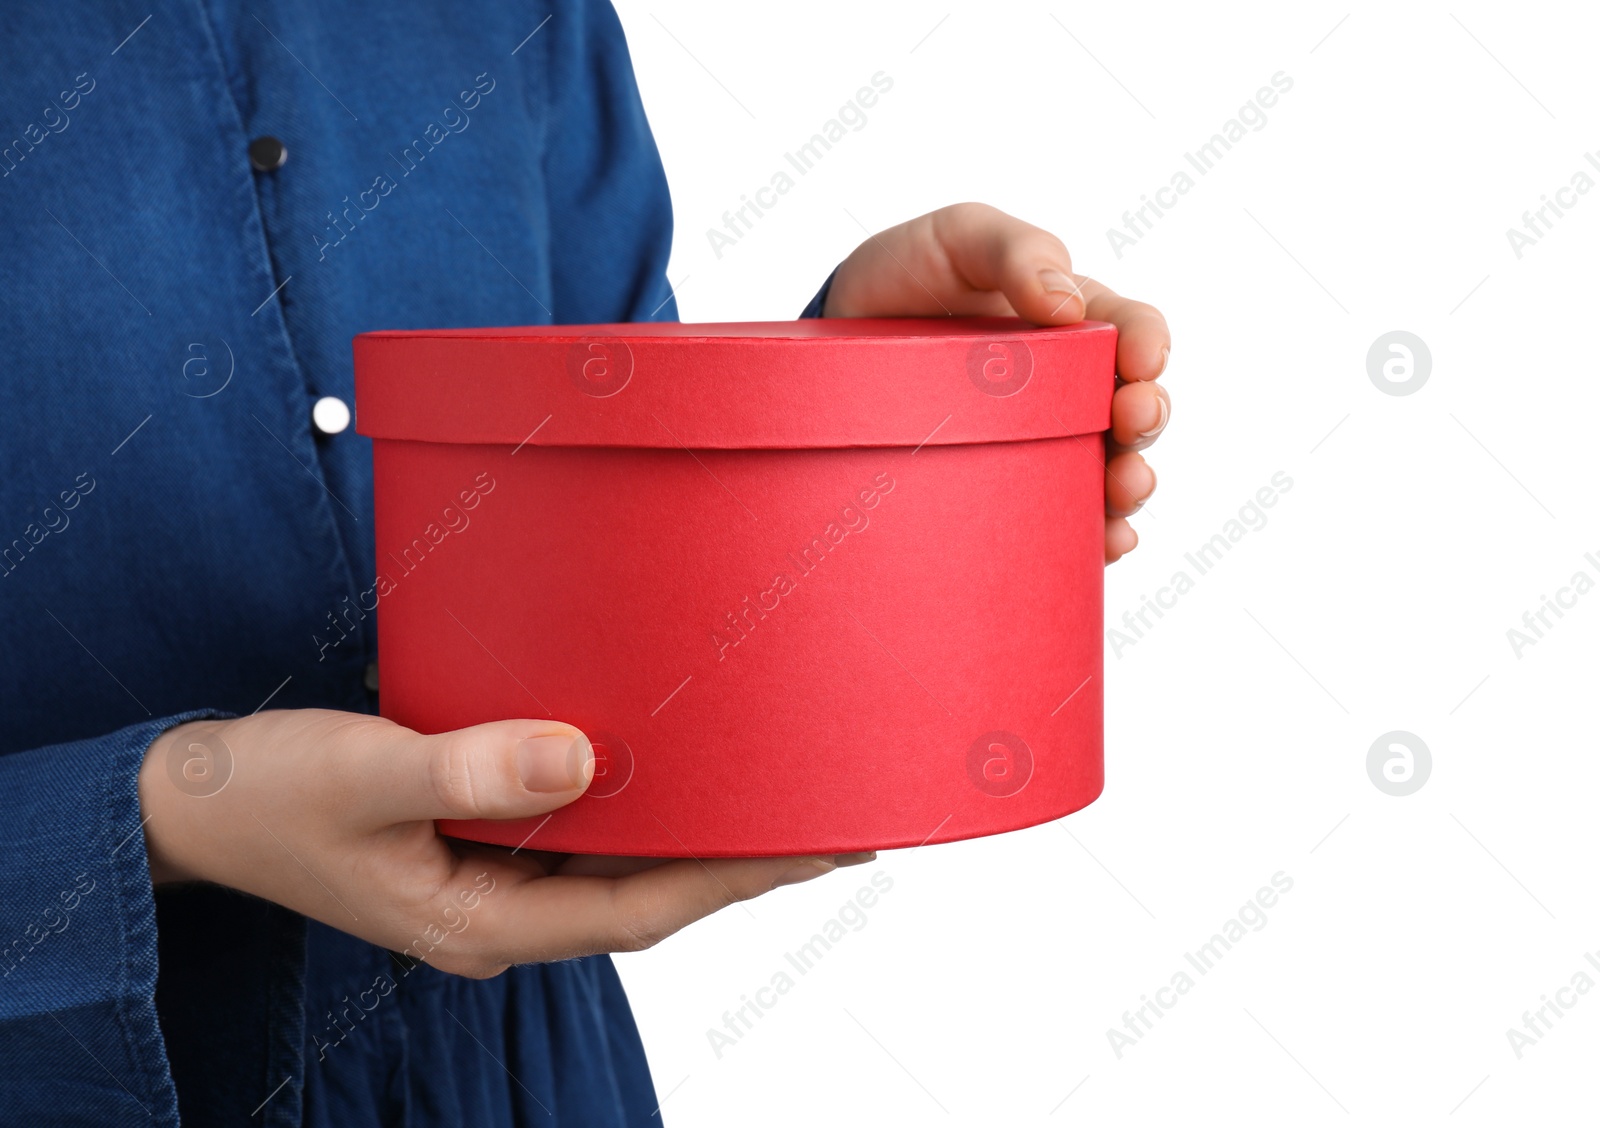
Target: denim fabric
{"x": 176, "y": 537}
{"x": 814, "y": 306}
{"x": 79, "y": 1042}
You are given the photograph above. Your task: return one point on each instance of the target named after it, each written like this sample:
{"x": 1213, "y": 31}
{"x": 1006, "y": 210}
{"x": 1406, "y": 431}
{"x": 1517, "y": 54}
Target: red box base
{"x": 775, "y": 651}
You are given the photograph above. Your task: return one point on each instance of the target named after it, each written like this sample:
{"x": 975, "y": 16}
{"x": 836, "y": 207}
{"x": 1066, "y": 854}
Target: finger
{"x": 603, "y": 865}
{"x": 563, "y": 917}
{"x": 1129, "y": 482}
{"x": 548, "y": 863}
{"x": 1143, "y": 339}
{"x": 500, "y": 770}
{"x": 607, "y": 865}
{"x": 1139, "y": 413}
{"x": 991, "y": 251}
{"x": 1120, "y": 539}
{"x": 537, "y": 863}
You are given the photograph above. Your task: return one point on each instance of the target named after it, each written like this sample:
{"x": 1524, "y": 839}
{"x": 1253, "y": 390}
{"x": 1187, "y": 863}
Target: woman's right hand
{"x": 331, "y": 815}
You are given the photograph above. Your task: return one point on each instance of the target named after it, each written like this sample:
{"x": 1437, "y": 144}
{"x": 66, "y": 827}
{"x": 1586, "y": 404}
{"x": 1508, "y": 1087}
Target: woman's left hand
{"x": 972, "y": 259}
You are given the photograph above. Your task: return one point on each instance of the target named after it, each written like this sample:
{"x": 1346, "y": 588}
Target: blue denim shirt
{"x": 176, "y": 536}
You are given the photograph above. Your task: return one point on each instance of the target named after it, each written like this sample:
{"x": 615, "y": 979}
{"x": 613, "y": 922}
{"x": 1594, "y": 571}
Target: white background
{"x": 1377, "y": 597}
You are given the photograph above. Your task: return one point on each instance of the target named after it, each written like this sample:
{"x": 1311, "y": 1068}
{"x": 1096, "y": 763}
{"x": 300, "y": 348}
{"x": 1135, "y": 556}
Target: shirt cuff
{"x": 814, "y": 307}
{"x": 78, "y": 954}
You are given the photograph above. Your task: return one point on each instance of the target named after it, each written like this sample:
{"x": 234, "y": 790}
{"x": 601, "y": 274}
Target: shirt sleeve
{"x": 814, "y": 306}
{"x": 79, "y": 1035}
{"x": 611, "y": 214}
{"x": 612, "y": 234}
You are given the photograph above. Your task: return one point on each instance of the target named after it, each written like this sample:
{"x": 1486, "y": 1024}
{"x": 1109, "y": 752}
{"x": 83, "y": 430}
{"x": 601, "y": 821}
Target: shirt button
{"x": 267, "y": 154}
{"x": 371, "y": 678}
{"x": 329, "y": 415}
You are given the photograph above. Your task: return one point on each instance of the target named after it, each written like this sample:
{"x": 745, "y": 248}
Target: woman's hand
{"x": 331, "y": 815}
{"x": 972, "y": 259}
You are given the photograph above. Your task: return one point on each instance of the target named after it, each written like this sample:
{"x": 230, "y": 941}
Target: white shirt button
{"x": 330, "y": 415}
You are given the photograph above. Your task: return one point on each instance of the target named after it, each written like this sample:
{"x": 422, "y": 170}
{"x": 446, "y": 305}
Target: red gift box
{"x": 810, "y": 587}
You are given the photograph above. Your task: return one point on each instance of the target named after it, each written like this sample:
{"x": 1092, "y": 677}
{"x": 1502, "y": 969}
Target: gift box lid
{"x": 817, "y": 383}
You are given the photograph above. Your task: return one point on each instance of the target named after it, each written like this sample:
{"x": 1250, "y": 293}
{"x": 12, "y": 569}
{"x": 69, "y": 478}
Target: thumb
{"x": 1031, "y": 267}
{"x": 499, "y": 770}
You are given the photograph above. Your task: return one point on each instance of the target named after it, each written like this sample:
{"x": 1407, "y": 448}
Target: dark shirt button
{"x": 267, "y": 154}
{"x": 371, "y": 678}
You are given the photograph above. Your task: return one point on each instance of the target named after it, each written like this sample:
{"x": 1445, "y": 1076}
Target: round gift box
{"x": 809, "y": 587}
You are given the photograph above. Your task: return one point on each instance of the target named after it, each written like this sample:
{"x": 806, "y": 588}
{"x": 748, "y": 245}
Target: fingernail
{"x": 1055, "y": 282}
{"x": 1165, "y": 353}
{"x": 558, "y": 762}
{"x": 1152, "y": 488}
{"x": 1161, "y": 420}
{"x": 842, "y": 860}
{"x": 805, "y": 871}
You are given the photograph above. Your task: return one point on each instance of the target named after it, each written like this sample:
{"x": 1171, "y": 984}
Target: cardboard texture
{"x": 810, "y": 587}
